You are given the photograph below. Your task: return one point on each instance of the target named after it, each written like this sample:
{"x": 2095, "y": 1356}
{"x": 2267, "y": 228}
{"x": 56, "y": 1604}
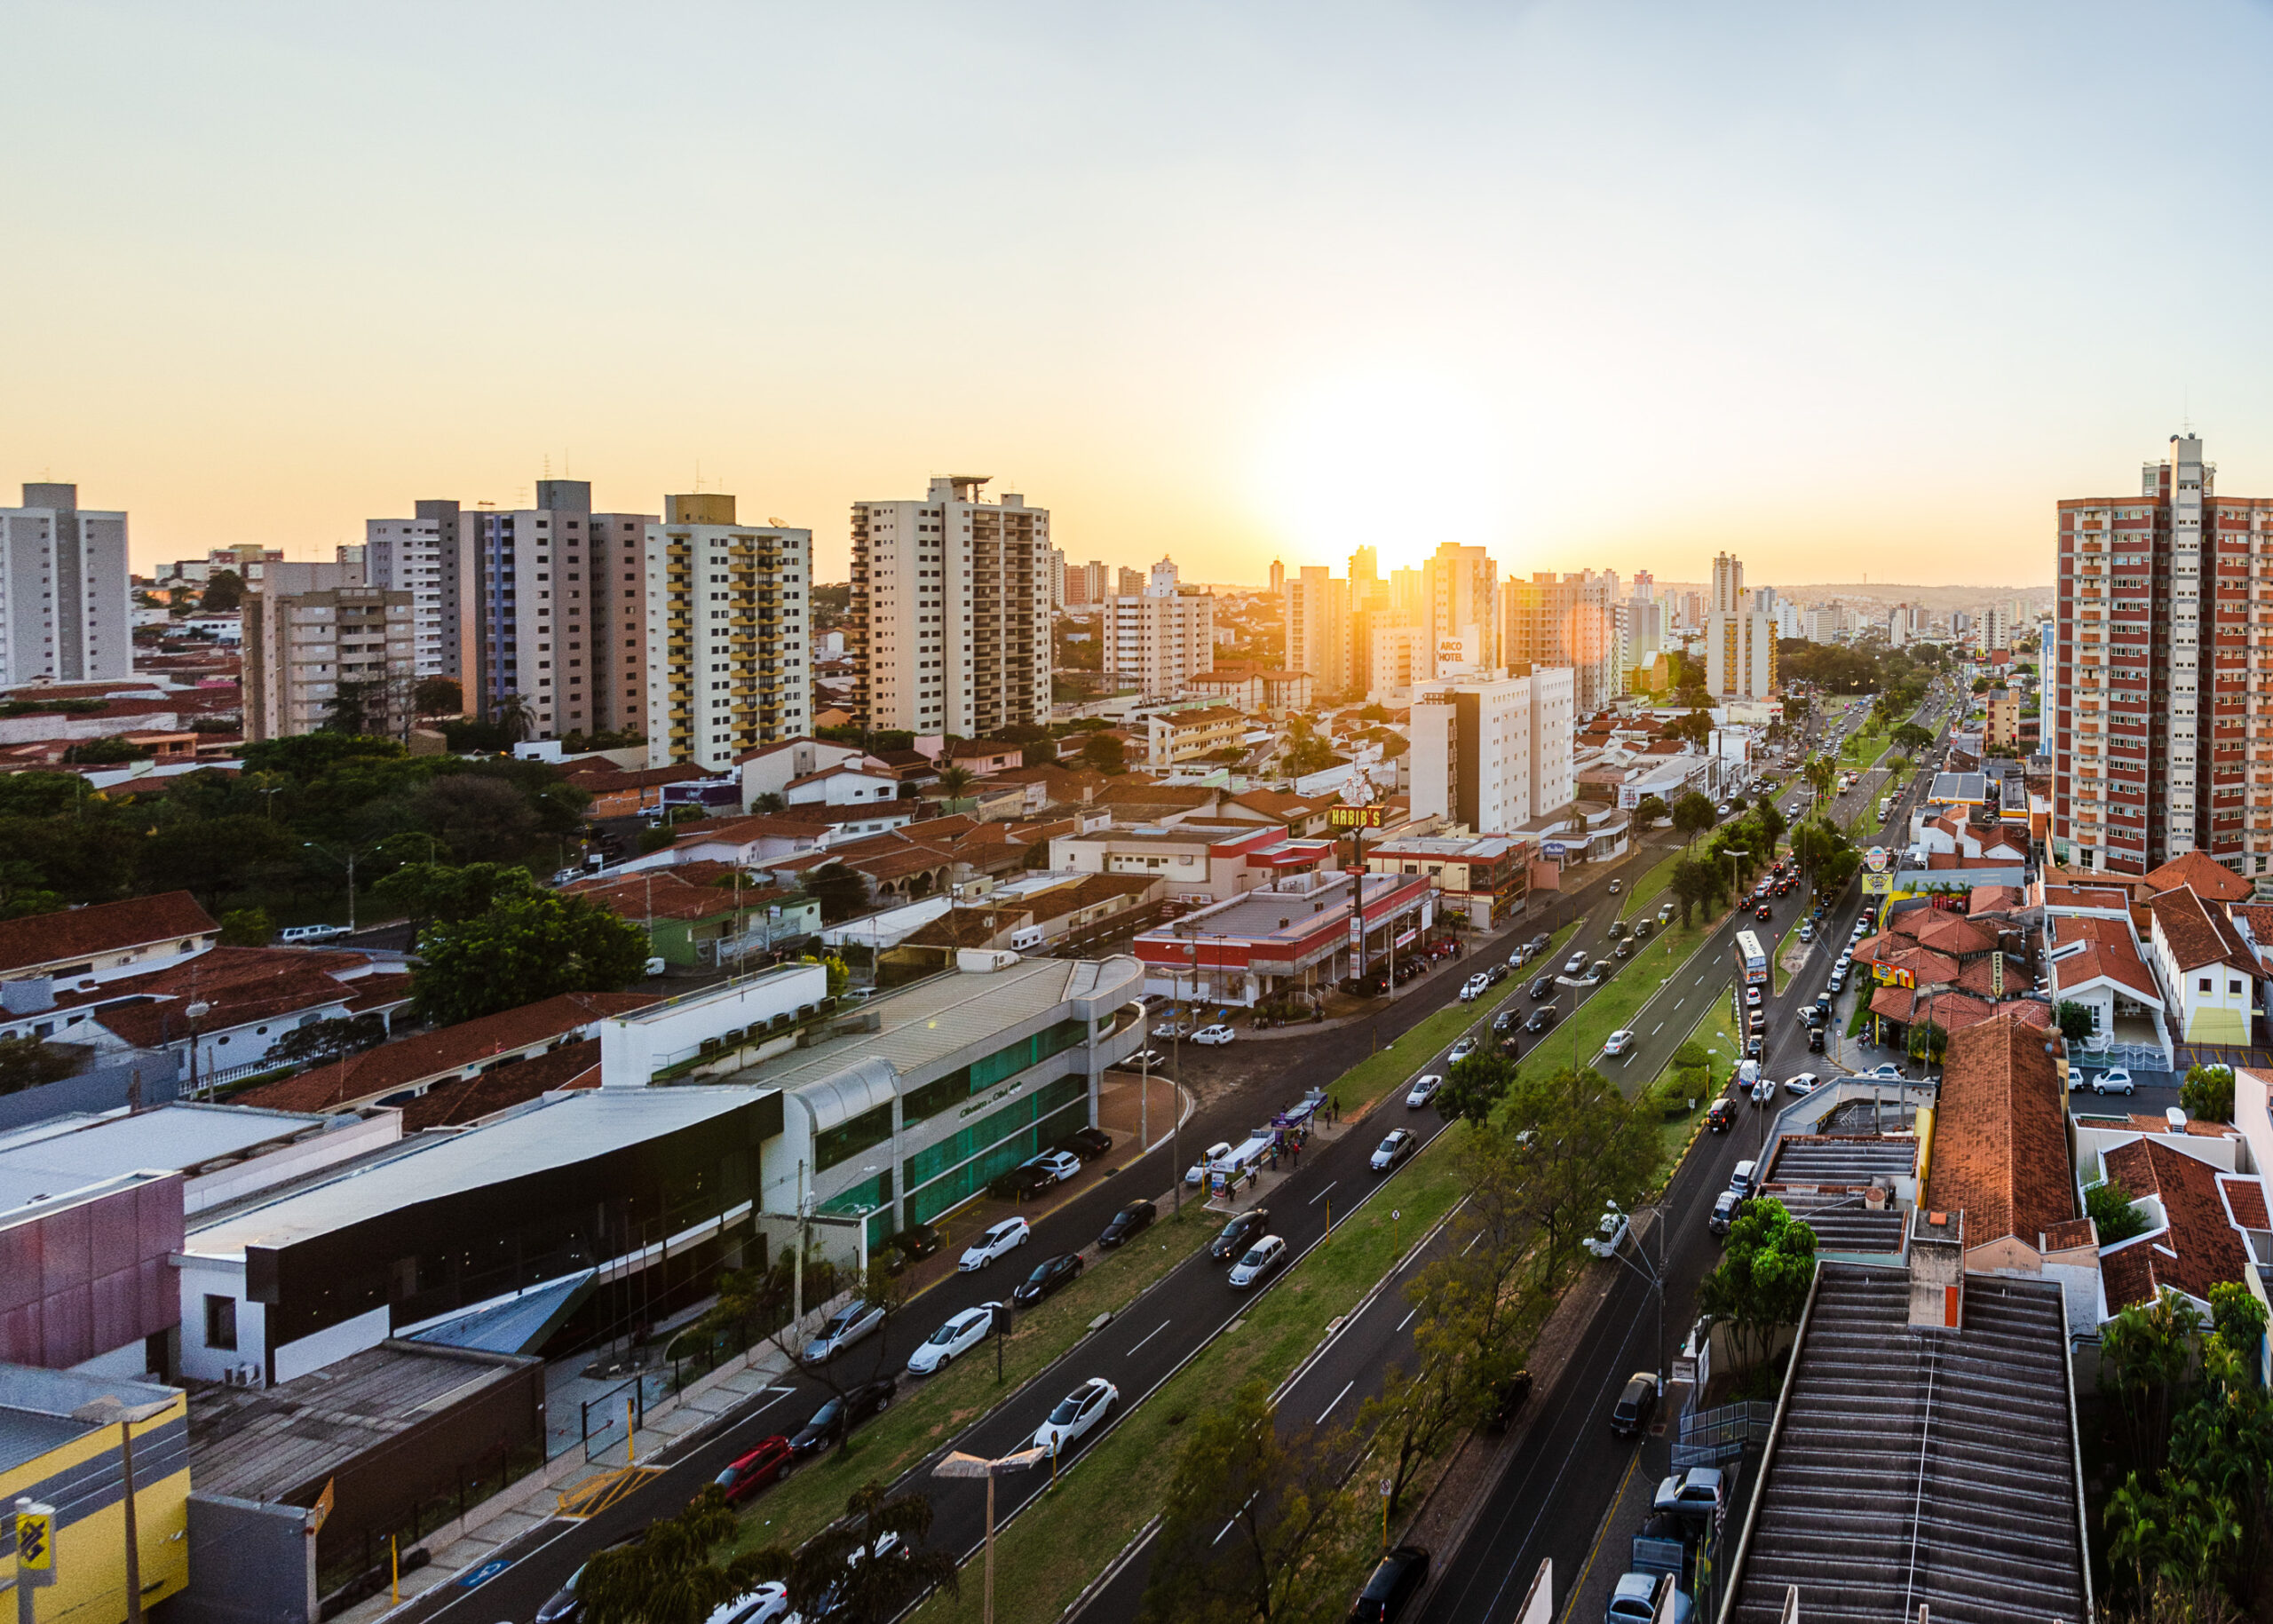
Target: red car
{"x": 761, "y": 1467}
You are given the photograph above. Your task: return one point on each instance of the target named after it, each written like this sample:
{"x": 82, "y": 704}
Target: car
{"x": 1168, "y": 1030}
{"x": 1609, "y": 1232}
{"x": 768, "y": 1603}
{"x": 1475, "y": 987}
{"x": 1792, "y": 810}
{"x": 1146, "y": 1060}
{"x": 1496, "y": 974}
{"x": 762, "y": 1468}
{"x": 1214, "y": 1036}
{"x": 1843, "y": 962}
{"x": 840, "y": 1415}
{"x": 1617, "y": 929}
{"x": 1129, "y": 1220}
{"x": 291, "y": 934}
{"x": 2117, "y": 1080}
{"x": 1076, "y": 1413}
{"x": 1637, "y": 1402}
{"x": 1239, "y": 1235}
{"x": 1838, "y": 982}
{"x": 1537, "y": 945}
{"x": 1018, "y": 1183}
{"x": 1802, "y": 1083}
{"x": 1516, "y": 959}
{"x": 1721, "y": 810}
{"x": 911, "y": 1245}
{"x": 1722, "y": 1116}
{"x": 993, "y": 1243}
{"x": 1261, "y": 1258}
{"x": 1393, "y": 1150}
{"x": 843, "y": 1328}
{"x": 1197, "y": 1172}
{"x": 1544, "y": 987}
{"x": 1395, "y": 1580}
{"x": 1424, "y": 1090}
{"x": 1764, "y": 912}
{"x": 1616, "y": 886}
{"x": 1542, "y": 1017}
{"x": 1643, "y": 930}
{"x": 1639, "y": 1598}
{"x": 1049, "y": 1275}
{"x": 1885, "y": 1071}
{"x": 1702, "y": 1491}
{"x": 1815, "y": 1042}
{"x": 1461, "y": 1051}
{"x": 1575, "y": 965}
{"x": 1060, "y": 1165}
{"x": 1665, "y": 911}
{"x": 1809, "y": 1015}
{"x": 1744, "y": 1178}
{"x": 1597, "y": 973}
{"x": 1506, "y": 1021}
{"x": 1507, "y": 1397}
{"x": 1823, "y": 1002}
{"x": 1752, "y": 997}
{"x": 1754, "y": 1047}
{"x": 1619, "y": 1041}
{"x": 1086, "y": 1142}
{"x": 564, "y": 1606}
{"x": 1755, "y": 1021}
{"x": 1724, "y": 1211}
{"x": 963, "y": 1331}
{"x": 1624, "y": 950}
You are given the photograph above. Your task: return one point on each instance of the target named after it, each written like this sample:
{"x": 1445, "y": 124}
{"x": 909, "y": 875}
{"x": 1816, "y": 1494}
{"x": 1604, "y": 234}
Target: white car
{"x": 1475, "y": 987}
{"x": 1805, "y": 1082}
{"x": 1461, "y": 1051}
{"x": 1752, "y": 997}
{"x": 843, "y": 1328}
{"x": 1060, "y": 1165}
{"x": 1076, "y": 1413}
{"x": 998, "y": 1242}
{"x": 1392, "y": 1150}
{"x": 1763, "y": 1091}
{"x": 1721, "y": 810}
{"x": 769, "y": 1604}
{"x": 2115, "y": 1082}
{"x": 1806, "y": 932}
{"x": 1259, "y": 1259}
{"x": 1575, "y": 965}
{"x": 1198, "y": 1170}
{"x": 1618, "y": 1042}
{"x": 1214, "y": 1036}
{"x": 1885, "y": 1071}
{"x": 961, "y": 1334}
{"x": 1424, "y": 1090}
{"x": 1611, "y": 1233}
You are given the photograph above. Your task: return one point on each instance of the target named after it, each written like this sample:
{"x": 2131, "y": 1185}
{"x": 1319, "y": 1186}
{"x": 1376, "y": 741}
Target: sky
{"x": 1594, "y": 285}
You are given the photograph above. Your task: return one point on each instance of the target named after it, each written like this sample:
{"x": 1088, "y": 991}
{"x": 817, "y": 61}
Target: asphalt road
{"x": 1146, "y": 1342}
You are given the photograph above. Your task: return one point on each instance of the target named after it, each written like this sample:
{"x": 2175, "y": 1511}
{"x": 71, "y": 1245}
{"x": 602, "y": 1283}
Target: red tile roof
{"x": 498, "y": 1088}
{"x": 105, "y": 927}
{"x": 2199, "y": 934}
{"x": 2000, "y": 1144}
{"x": 2201, "y": 874}
{"x": 2200, "y": 1248}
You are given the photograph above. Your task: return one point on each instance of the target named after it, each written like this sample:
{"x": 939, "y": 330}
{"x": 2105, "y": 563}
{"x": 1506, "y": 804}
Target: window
{"x": 2202, "y": 984}
{"x": 221, "y": 1323}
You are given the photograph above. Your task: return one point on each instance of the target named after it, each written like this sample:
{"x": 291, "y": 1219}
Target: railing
{"x": 1710, "y": 1437}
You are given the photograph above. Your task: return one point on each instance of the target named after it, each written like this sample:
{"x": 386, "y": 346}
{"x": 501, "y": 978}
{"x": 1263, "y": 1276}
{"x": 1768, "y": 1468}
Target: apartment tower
{"x": 1159, "y": 639}
{"x": 1563, "y": 620}
{"x": 2158, "y": 678}
{"x": 1318, "y": 630}
{"x": 727, "y": 611}
{"x": 950, "y": 600}
{"x": 1460, "y": 588}
{"x": 1739, "y": 637}
{"x": 63, "y": 590}
{"x": 316, "y": 638}
{"x": 1492, "y": 755}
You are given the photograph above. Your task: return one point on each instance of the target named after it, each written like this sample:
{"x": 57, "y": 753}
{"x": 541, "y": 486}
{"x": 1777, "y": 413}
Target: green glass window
{"x": 848, "y": 1139}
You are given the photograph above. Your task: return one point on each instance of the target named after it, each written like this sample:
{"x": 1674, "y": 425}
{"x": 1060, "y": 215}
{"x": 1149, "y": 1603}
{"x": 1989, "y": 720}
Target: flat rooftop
{"x": 36, "y": 1407}
{"x": 1919, "y": 1468}
{"x": 1256, "y": 915}
{"x": 1970, "y": 787}
{"x": 548, "y": 1133}
{"x": 939, "y": 1017}
{"x": 51, "y": 1159}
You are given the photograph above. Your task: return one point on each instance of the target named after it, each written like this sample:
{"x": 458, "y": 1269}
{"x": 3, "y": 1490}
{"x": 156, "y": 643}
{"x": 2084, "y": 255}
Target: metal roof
{"x": 51, "y": 1159}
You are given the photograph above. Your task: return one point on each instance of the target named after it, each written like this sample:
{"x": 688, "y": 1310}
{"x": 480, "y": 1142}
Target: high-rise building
{"x": 1277, "y": 578}
{"x": 1996, "y": 627}
{"x": 1160, "y": 639}
{"x": 1460, "y": 591}
{"x": 1492, "y": 755}
{"x": 950, "y": 599}
{"x": 1645, "y": 584}
{"x": 1088, "y": 584}
{"x": 1563, "y": 620}
{"x": 316, "y": 640}
{"x": 1897, "y": 625}
{"x": 546, "y": 582}
{"x": 412, "y": 555}
{"x": 1130, "y": 581}
{"x": 727, "y": 612}
{"x": 1367, "y": 590}
{"x": 1394, "y": 651}
{"x": 2155, "y": 677}
{"x": 1640, "y": 626}
{"x": 64, "y": 613}
{"x": 1318, "y": 630}
{"x": 1408, "y": 591}
{"x": 1740, "y": 639}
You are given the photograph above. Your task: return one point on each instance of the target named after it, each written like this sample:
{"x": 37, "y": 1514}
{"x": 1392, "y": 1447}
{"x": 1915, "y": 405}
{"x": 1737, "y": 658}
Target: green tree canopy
{"x": 1761, "y": 1282}
{"x": 212, "y": 857}
{"x": 1692, "y": 815}
{"x": 1588, "y": 1145}
{"x": 1106, "y": 753}
{"x": 1650, "y": 809}
{"x": 522, "y": 950}
{"x": 2208, "y": 1093}
{"x": 1474, "y": 1087}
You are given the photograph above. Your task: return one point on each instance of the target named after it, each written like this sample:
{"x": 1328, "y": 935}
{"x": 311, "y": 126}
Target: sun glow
{"x": 1397, "y": 461}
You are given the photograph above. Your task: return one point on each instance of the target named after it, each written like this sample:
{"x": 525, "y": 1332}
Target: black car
{"x": 1643, "y": 929}
{"x": 1086, "y": 1142}
{"x": 1127, "y": 1222}
{"x": 1630, "y": 1417}
{"x": 1511, "y": 1046}
{"x": 1048, "y": 1276}
{"x": 1396, "y": 1581}
{"x": 838, "y": 1416}
{"x": 1240, "y": 1234}
{"x": 1495, "y": 975}
{"x": 911, "y": 1245}
{"x": 1019, "y": 1182}
{"x": 1823, "y": 1002}
{"x": 1507, "y": 1397}
{"x": 1505, "y": 1022}
{"x": 1722, "y": 1116}
{"x": 1624, "y": 950}
{"x": 564, "y": 1606}
{"x": 1753, "y": 1047}
{"x": 1815, "y": 1042}
{"x": 1538, "y": 944}
{"x": 1542, "y": 1017}
{"x": 1544, "y": 987}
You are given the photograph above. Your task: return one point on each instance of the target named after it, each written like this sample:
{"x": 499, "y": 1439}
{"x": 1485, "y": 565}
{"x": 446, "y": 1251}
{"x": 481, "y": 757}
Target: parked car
{"x": 1637, "y": 1402}
{"x": 1018, "y": 1183}
{"x": 1475, "y": 987}
{"x": 1747, "y": 1175}
{"x": 1197, "y": 1172}
{"x": 1495, "y": 974}
{"x": 292, "y": 935}
{"x": 2115, "y": 1080}
{"x": 1815, "y": 1042}
{"x": 1392, "y": 1150}
{"x": 1609, "y": 1232}
{"x": 840, "y": 1415}
{"x": 1537, "y": 945}
{"x": 1516, "y": 959}
{"x": 913, "y": 1244}
{"x": 843, "y": 1328}
{"x": 1086, "y": 1142}
{"x": 996, "y": 1242}
{"x": 1424, "y": 1090}
{"x": 1619, "y": 1041}
{"x": 1838, "y": 982}
{"x": 1049, "y": 1275}
{"x": 1755, "y": 1021}
{"x": 1885, "y": 1071}
{"x": 1060, "y": 1165}
{"x": 1395, "y": 1580}
{"x": 1722, "y": 1116}
{"x": 762, "y": 1468}
{"x": 768, "y": 1603}
{"x": 1807, "y": 931}
{"x": 1213, "y": 1037}
{"x": 962, "y": 1332}
{"x": 1639, "y": 1598}
{"x": 1702, "y": 1491}
{"x": 1724, "y": 1211}
{"x": 1129, "y": 1221}
{"x": 1264, "y": 1256}
{"x": 1544, "y": 987}
{"x": 1239, "y": 1235}
{"x": 1077, "y": 1413}
{"x": 1146, "y": 1060}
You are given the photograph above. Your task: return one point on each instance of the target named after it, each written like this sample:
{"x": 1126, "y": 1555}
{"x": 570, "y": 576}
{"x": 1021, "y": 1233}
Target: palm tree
{"x": 1821, "y": 774}
{"x": 955, "y": 781}
{"x": 513, "y": 716}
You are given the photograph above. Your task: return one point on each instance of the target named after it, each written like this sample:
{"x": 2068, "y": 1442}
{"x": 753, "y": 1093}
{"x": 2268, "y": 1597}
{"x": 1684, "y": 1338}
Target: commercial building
{"x": 1461, "y": 587}
{"x": 1739, "y": 637}
{"x": 1299, "y": 932}
{"x": 1156, "y": 641}
{"x": 1564, "y": 621}
{"x": 318, "y": 643}
{"x": 1481, "y": 879}
{"x": 950, "y": 598}
{"x": 2157, "y": 680}
{"x": 420, "y": 556}
{"x": 727, "y": 618}
{"x": 1490, "y": 757}
{"x": 64, "y": 596}
{"x": 1318, "y": 629}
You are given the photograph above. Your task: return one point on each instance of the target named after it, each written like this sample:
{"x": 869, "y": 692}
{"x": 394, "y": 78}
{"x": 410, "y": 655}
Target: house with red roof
{"x": 2210, "y": 971}
{"x": 2198, "y": 1210}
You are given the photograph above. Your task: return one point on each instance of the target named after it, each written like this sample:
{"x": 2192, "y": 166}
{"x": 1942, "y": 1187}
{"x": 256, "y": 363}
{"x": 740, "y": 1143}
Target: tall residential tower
{"x": 63, "y": 590}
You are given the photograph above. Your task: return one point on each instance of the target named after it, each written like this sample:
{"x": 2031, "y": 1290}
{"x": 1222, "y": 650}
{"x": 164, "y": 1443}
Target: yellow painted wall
{"x": 90, "y": 1584}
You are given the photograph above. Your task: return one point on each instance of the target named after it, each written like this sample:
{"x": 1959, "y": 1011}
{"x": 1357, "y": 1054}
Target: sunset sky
{"x": 1838, "y": 288}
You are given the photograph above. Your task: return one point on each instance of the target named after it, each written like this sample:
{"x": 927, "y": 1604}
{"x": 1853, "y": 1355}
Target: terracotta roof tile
{"x": 2201, "y": 1247}
{"x": 105, "y": 927}
{"x": 2199, "y": 934}
{"x": 498, "y": 1088}
{"x": 2201, "y": 874}
{"x": 2000, "y": 1144}
{"x": 2244, "y": 1200}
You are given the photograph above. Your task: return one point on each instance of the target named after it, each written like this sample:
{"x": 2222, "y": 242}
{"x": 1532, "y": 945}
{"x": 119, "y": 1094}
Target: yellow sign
{"x": 319, "y": 1513}
{"x": 35, "y": 1539}
{"x": 1878, "y": 885}
{"x": 1353, "y": 817}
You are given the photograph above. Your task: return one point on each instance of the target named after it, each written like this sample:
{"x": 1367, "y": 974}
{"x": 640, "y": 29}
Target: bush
{"x": 2108, "y": 1205}
{"x": 2208, "y": 1093}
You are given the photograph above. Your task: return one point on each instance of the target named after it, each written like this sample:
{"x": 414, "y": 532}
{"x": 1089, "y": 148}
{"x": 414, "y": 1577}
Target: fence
{"x": 1710, "y": 1437}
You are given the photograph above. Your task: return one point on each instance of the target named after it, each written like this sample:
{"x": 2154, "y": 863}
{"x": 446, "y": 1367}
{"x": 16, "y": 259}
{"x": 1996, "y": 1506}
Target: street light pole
{"x": 106, "y": 1411}
{"x": 957, "y": 1464}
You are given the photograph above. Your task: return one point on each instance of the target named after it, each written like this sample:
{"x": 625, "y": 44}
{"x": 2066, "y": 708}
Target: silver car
{"x": 845, "y": 1326}
{"x": 1264, "y": 1256}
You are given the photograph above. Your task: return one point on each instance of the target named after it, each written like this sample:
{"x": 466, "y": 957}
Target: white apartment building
{"x": 408, "y": 555}
{"x": 1398, "y": 654}
{"x": 64, "y": 593}
{"x": 728, "y": 611}
{"x": 1159, "y": 640}
{"x": 1739, "y": 636}
{"x": 1491, "y": 756}
{"x": 951, "y": 595}
{"x": 313, "y": 631}
{"x": 1318, "y": 630}
{"x": 1460, "y": 588}
{"x": 1997, "y": 629}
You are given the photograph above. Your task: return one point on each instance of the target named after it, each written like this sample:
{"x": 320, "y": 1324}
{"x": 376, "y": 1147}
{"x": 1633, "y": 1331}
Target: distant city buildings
{"x": 1566, "y": 620}
{"x": 1317, "y": 628}
{"x": 1159, "y": 639}
{"x": 64, "y": 597}
{"x": 1739, "y": 637}
{"x": 321, "y": 649}
{"x": 725, "y": 619}
{"x": 420, "y": 556}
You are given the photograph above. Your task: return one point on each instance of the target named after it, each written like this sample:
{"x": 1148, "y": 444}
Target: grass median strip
{"x": 1066, "y": 1535}
{"x": 1653, "y": 882}
{"x": 1639, "y": 979}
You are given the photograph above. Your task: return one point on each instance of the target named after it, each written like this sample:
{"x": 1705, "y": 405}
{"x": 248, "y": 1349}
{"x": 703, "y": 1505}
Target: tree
{"x": 668, "y": 1575}
{"x": 955, "y": 782}
{"x": 2108, "y": 1204}
{"x": 1693, "y": 728}
{"x": 24, "y": 891}
{"x": 1821, "y": 772}
{"x": 1649, "y": 810}
{"x": 1693, "y": 815}
{"x": 1913, "y": 738}
{"x": 225, "y": 590}
{"x": 211, "y": 857}
{"x": 27, "y": 1062}
{"x": 246, "y": 927}
{"x": 426, "y": 892}
{"x": 1252, "y": 1529}
{"x": 870, "y": 1566}
{"x": 437, "y": 696}
{"x": 524, "y": 949}
{"x": 350, "y": 707}
{"x": 1475, "y": 1086}
{"x": 2239, "y": 1318}
{"x": 842, "y": 891}
{"x": 1697, "y": 881}
{"x": 324, "y": 1041}
{"x": 2208, "y": 1093}
{"x": 111, "y": 750}
{"x": 481, "y": 819}
{"x": 2145, "y": 1352}
{"x": 1588, "y": 1146}
{"x": 514, "y": 717}
{"x": 1105, "y": 752}
{"x": 301, "y": 759}
{"x": 1927, "y": 1040}
{"x": 1761, "y": 1282}
{"x": 1770, "y": 824}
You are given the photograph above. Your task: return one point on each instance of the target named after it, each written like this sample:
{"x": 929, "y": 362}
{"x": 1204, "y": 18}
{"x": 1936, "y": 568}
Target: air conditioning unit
{"x": 233, "y": 1376}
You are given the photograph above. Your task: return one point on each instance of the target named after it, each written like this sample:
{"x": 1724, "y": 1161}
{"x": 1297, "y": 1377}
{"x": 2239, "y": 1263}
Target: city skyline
{"x": 1765, "y": 346}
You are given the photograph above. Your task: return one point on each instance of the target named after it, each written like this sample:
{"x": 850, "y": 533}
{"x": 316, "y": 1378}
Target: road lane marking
{"x": 1148, "y": 1337}
{"x": 1337, "y": 1398}
{"x": 1321, "y": 1196}
{"x": 1409, "y": 1318}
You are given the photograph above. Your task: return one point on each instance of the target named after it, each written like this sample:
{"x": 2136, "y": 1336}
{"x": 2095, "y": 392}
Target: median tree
{"x": 1761, "y": 1284}
{"x": 1588, "y": 1145}
{"x": 1474, "y": 1087}
{"x": 1697, "y": 881}
{"x": 1693, "y": 815}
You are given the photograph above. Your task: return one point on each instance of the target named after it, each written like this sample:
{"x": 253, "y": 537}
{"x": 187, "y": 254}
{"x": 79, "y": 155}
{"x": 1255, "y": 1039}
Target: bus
{"x": 1752, "y": 961}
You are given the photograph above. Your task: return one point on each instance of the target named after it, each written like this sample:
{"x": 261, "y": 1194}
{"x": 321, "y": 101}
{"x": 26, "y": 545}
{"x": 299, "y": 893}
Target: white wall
{"x": 360, "y": 1135}
{"x": 633, "y": 1047}
{"x": 331, "y": 1344}
{"x": 197, "y": 1278}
